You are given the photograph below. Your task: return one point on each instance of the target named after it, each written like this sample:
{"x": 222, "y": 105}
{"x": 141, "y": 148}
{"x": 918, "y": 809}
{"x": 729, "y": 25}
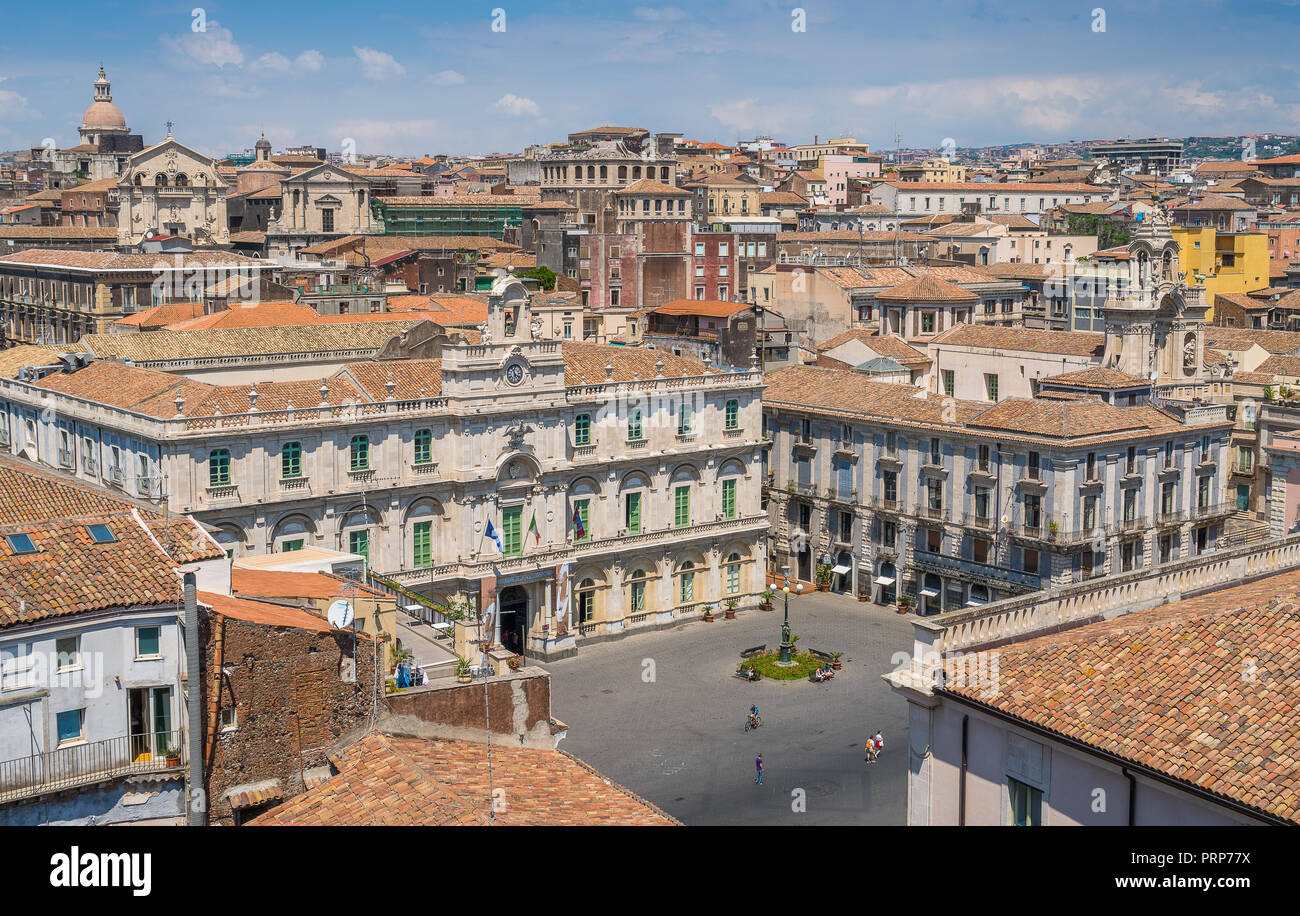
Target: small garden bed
{"x": 766, "y": 665}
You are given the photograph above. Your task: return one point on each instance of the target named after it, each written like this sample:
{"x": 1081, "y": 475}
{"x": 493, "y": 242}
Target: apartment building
{"x": 913, "y": 199}
{"x": 622, "y": 482}
{"x": 954, "y": 503}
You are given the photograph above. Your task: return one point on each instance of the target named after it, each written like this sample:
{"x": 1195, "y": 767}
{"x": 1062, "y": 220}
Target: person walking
{"x": 878, "y": 742}
{"x": 758, "y": 765}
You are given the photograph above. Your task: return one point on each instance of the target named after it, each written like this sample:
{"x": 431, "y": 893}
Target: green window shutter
{"x": 219, "y": 467}
{"x": 291, "y": 460}
{"x": 729, "y": 499}
{"x": 634, "y": 513}
{"x": 582, "y": 430}
{"x": 682, "y": 515}
{"x": 422, "y": 542}
{"x": 733, "y": 414}
{"x": 288, "y": 546}
{"x": 423, "y": 446}
{"x": 360, "y": 453}
{"x": 583, "y": 508}
{"x": 634, "y": 426}
{"x": 511, "y": 530}
{"x": 359, "y": 543}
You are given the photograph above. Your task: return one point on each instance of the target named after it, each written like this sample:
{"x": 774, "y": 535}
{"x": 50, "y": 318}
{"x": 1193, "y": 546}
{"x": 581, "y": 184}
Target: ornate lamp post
{"x": 786, "y": 644}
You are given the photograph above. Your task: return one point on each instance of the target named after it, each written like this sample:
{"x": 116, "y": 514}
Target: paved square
{"x": 679, "y": 740}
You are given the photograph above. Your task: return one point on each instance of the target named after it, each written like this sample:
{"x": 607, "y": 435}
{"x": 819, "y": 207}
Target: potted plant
{"x": 902, "y": 604}
{"x": 864, "y": 596}
{"x": 767, "y": 597}
{"x": 173, "y": 756}
{"x": 515, "y": 662}
{"x": 1052, "y": 529}
{"x": 708, "y": 613}
{"x": 1268, "y": 392}
{"x": 823, "y": 577}
{"x": 835, "y": 660}
{"x": 730, "y": 612}
{"x": 462, "y": 670}
{"x": 790, "y": 488}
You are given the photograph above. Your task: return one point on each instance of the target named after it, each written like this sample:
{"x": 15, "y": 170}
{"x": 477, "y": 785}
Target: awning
{"x": 253, "y": 794}
{"x": 930, "y": 592}
{"x": 884, "y": 580}
{"x": 976, "y": 602}
{"x": 841, "y": 570}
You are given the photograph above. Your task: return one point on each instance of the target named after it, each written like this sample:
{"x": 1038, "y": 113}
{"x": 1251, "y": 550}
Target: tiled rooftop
{"x": 1031, "y": 340}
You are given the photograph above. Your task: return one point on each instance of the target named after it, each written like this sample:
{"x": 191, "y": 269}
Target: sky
{"x": 414, "y": 78}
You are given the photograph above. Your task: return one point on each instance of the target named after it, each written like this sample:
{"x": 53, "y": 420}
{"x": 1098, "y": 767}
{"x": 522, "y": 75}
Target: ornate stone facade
{"x": 172, "y": 190}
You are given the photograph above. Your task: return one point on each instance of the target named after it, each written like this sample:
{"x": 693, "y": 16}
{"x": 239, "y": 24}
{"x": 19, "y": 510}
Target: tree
{"x": 544, "y": 276}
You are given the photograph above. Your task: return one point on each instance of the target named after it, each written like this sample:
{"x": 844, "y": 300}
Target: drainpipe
{"x": 961, "y": 785}
{"x": 195, "y": 804}
{"x": 1132, "y": 795}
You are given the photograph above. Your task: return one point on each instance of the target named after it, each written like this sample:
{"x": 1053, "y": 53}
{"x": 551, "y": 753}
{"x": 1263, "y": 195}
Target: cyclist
{"x": 753, "y": 716}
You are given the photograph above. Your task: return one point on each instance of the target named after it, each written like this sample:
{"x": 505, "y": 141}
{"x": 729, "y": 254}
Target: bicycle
{"x": 753, "y": 722}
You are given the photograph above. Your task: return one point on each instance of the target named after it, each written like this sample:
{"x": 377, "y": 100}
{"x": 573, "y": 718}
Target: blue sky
{"x": 408, "y": 77}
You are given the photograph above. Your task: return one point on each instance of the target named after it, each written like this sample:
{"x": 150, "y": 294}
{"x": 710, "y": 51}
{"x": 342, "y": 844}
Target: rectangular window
{"x": 685, "y": 420}
{"x": 71, "y": 725}
{"x": 148, "y": 642}
{"x": 729, "y": 498}
{"x": 291, "y": 460}
{"x": 1033, "y": 469}
{"x": 733, "y": 414}
{"x": 634, "y": 427}
{"x": 991, "y": 386}
{"x": 682, "y": 506}
{"x": 422, "y": 544}
{"x": 632, "y": 513}
{"x": 359, "y": 543}
{"x": 934, "y": 495}
{"x": 423, "y": 446}
{"x": 359, "y": 453}
{"x": 1026, "y": 804}
{"x": 219, "y": 467}
{"x": 289, "y": 546}
{"x": 67, "y": 651}
{"x": 949, "y": 382}
{"x": 582, "y": 430}
{"x": 582, "y": 509}
{"x": 512, "y": 540}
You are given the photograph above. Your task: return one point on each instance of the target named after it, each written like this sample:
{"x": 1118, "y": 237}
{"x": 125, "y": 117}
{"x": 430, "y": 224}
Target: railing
{"x": 973, "y": 569}
{"x": 90, "y": 762}
{"x": 979, "y": 521}
{"x": 928, "y": 511}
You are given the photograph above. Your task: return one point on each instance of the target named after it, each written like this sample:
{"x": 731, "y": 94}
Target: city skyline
{"x": 458, "y": 86}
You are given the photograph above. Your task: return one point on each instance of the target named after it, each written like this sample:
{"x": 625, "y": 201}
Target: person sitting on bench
{"x": 750, "y": 674}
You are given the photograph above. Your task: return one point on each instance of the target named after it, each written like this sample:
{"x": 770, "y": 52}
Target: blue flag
{"x": 492, "y": 533}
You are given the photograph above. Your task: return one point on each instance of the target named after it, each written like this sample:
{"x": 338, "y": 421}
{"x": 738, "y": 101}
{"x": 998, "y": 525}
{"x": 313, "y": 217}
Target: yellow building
{"x": 1223, "y": 262}
{"x": 933, "y": 169}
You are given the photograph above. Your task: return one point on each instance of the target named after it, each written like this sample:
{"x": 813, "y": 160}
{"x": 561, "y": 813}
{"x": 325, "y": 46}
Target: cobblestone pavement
{"x": 662, "y": 714}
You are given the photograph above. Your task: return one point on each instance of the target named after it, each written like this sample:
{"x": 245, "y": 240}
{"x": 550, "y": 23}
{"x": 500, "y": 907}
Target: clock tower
{"x": 511, "y": 368}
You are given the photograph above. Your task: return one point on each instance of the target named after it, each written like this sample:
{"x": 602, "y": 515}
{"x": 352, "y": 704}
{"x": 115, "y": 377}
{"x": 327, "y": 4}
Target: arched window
{"x": 604, "y": 173}
{"x": 733, "y": 414}
{"x": 634, "y": 426}
{"x": 663, "y": 174}
{"x": 219, "y": 467}
{"x": 636, "y": 173}
{"x": 591, "y": 173}
{"x": 586, "y": 601}
{"x": 160, "y": 181}
{"x": 359, "y": 454}
{"x": 687, "y": 586}
{"x": 622, "y": 174}
{"x": 139, "y": 180}
{"x": 732, "y": 573}
{"x": 636, "y": 592}
{"x": 291, "y": 460}
{"x": 182, "y": 180}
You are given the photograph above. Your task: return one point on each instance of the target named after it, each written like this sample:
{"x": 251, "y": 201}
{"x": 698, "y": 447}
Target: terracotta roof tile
{"x": 1031, "y": 340}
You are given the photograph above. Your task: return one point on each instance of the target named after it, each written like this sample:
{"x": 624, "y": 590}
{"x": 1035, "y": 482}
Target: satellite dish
{"x": 340, "y": 614}
{"x": 1006, "y": 519}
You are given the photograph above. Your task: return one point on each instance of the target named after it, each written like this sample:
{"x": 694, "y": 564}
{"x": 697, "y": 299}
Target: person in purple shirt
{"x": 758, "y": 765}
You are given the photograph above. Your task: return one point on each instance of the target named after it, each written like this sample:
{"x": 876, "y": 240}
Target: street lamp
{"x": 786, "y": 644}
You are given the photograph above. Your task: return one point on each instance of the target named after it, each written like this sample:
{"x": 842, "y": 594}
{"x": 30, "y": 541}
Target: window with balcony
{"x": 218, "y": 467}
{"x": 1033, "y": 511}
{"x": 1203, "y": 492}
{"x": 291, "y": 460}
{"x": 1089, "y": 513}
{"x": 359, "y": 453}
{"x": 934, "y": 497}
{"x": 512, "y": 530}
{"x": 982, "y": 458}
{"x": 1167, "y": 499}
{"x": 1130, "y": 506}
{"x": 982, "y": 502}
{"x": 732, "y": 571}
{"x": 732, "y": 414}
{"x": 729, "y": 498}
{"x": 634, "y": 426}
{"x": 889, "y": 486}
{"x": 686, "y": 587}
{"x": 582, "y": 430}
{"x": 682, "y": 506}
{"x": 685, "y": 419}
{"x": 632, "y": 513}
{"x": 582, "y": 510}
{"x": 423, "y": 446}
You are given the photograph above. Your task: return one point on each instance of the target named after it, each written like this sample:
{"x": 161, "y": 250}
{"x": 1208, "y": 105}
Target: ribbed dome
{"x": 103, "y": 115}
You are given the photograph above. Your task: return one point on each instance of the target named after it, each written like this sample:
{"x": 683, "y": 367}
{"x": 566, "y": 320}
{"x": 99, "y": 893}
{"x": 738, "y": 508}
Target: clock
{"x": 514, "y": 373}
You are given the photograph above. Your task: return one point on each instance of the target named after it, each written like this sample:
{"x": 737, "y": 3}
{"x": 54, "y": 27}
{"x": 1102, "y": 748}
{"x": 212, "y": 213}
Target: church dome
{"x": 103, "y": 115}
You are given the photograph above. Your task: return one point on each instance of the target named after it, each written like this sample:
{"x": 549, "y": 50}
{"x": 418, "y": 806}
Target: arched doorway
{"x": 514, "y": 617}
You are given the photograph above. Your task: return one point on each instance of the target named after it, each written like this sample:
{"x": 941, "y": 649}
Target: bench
{"x": 756, "y": 650}
{"x": 821, "y": 656}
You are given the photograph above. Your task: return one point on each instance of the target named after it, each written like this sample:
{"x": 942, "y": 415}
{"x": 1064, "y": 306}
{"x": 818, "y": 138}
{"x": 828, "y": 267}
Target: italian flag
{"x": 532, "y": 528}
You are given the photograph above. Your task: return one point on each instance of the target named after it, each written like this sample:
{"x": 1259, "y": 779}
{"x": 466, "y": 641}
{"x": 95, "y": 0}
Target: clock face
{"x": 514, "y": 373}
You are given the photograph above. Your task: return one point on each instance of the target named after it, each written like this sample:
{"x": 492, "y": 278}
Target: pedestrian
{"x": 758, "y": 765}
{"x": 879, "y": 742}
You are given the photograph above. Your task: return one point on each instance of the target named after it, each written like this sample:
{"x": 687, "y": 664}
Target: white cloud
{"x": 748, "y": 116}
{"x": 378, "y": 65}
{"x": 214, "y": 45}
{"x": 306, "y": 62}
{"x": 516, "y": 106}
{"x": 658, "y": 14}
{"x": 13, "y": 105}
{"x": 375, "y": 135}
{"x": 447, "y": 78}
